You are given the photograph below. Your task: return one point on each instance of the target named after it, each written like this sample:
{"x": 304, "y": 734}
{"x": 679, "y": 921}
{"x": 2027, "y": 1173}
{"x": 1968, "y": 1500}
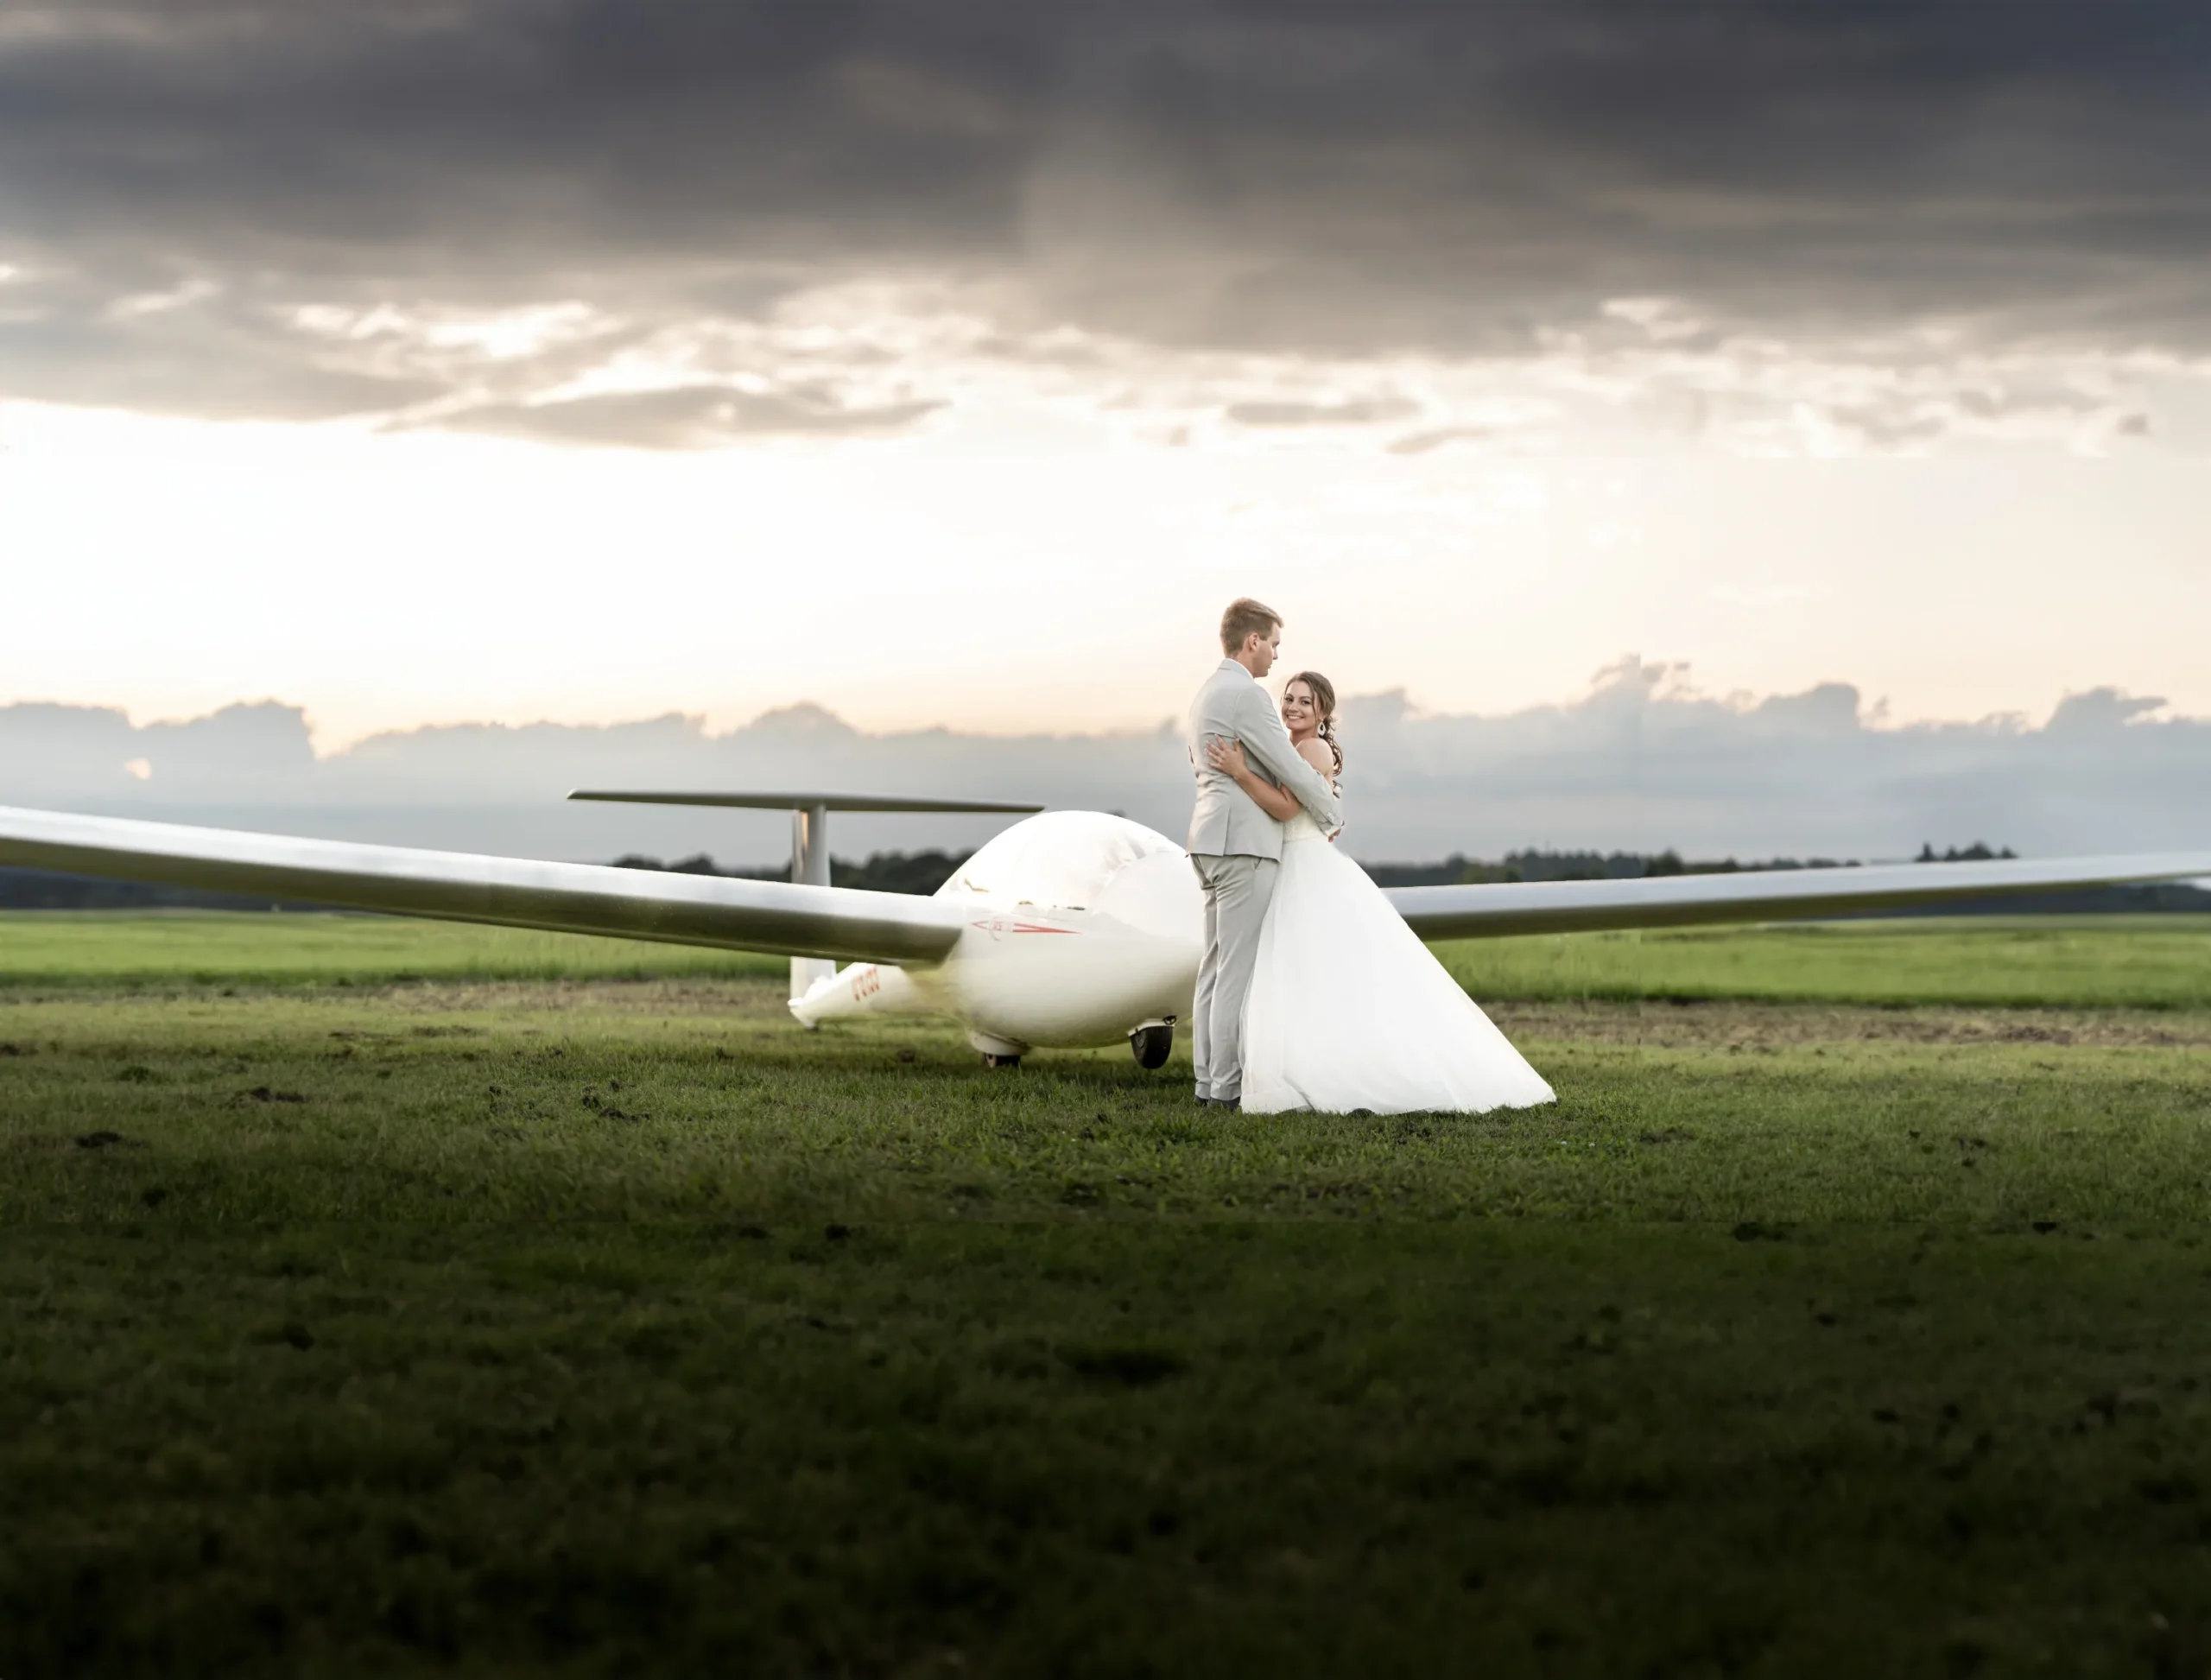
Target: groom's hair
{"x": 1246, "y": 616}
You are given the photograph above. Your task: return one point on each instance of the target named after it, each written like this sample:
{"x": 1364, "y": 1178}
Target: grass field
{"x": 546, "y": 1321}
{"x": 110, "y": 949}
{"x": 2148, "y": 962}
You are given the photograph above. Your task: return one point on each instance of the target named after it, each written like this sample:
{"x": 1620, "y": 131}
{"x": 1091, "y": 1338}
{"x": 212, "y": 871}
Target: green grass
{"x": 592, "y": 1326}
{"x": 2141, "y": 962}
{"x": 111, "y": 949}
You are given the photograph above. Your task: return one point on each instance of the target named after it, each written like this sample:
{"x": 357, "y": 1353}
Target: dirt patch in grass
{"x": 740, "y": 998}
{"x": 1701, "y": 1024}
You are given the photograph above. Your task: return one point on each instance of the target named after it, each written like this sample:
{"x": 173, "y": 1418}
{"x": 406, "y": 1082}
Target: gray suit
{"x": 1236, "y": 849}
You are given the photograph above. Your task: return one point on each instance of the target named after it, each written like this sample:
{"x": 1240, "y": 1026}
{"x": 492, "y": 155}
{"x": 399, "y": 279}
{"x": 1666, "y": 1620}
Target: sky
{"x": 425, "y": 362}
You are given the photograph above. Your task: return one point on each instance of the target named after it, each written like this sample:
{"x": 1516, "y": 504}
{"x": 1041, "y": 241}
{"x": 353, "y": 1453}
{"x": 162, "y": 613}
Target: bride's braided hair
{"x": 1324, "y": 702}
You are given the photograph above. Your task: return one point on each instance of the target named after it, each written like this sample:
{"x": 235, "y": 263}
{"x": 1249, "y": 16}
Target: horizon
{"x": 1641, "y": 760}
{"x": 1676, "y": 681}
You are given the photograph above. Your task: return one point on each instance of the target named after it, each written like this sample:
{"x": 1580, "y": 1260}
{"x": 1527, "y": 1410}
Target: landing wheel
{"x": 1152, "y": 1044}
{"x": 991, "y": 1059}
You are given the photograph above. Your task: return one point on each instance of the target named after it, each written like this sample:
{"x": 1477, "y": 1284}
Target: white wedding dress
{"x": 1348, "y": 1009}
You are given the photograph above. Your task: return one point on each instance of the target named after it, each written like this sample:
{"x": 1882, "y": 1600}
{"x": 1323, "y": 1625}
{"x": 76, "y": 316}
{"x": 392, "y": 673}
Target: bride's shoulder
{"x": 1314, "y": 751}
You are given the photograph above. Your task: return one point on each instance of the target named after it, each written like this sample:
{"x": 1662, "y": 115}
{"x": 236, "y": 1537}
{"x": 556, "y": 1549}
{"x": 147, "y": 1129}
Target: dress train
{"x": 1349, "y": 1011}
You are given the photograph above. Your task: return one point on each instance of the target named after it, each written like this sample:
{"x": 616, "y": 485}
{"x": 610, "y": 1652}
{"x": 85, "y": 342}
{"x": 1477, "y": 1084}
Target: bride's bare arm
{"x": 1227, "y": 757}
{"x": 1314, "y": 751}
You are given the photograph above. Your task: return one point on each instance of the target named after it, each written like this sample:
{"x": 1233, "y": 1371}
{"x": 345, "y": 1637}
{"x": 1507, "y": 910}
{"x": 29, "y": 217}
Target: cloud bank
{"x": 1641, "y": 762}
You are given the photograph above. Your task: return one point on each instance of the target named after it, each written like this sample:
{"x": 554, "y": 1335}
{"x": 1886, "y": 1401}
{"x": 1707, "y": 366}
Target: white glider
{"x": 1069, "y": 928}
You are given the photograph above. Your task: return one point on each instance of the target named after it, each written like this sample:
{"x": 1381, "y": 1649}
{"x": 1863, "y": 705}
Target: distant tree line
{"x": 921, "y": 873}
{"x": 50, "y": 890}
{"x": 1532, "y": 865}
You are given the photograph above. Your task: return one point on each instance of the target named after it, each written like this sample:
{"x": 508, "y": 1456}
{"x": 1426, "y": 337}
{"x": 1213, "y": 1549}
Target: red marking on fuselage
{"x": 997, "y": 926}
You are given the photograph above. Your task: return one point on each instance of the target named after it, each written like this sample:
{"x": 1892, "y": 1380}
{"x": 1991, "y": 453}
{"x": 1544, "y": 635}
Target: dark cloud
{"x": 689, "y": 417}
{"x": 1442, "y": 437}
{"x": 1641, "y": 762}
{"x": 1884, "y": 426}
{"x": 1365, "y": 411}
{"x": 1345, "y": 178}
{"x": 186, "y": 356}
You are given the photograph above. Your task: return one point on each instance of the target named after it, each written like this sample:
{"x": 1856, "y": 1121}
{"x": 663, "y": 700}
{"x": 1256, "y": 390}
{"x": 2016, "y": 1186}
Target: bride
{"x": 1347, "y": 1010}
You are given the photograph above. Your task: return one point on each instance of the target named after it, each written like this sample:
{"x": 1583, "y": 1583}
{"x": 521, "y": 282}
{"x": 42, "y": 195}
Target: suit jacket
{"x": 1226, "y": 822}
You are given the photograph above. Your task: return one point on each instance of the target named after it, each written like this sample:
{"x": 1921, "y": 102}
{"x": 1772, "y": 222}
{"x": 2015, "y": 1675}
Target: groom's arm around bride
{"x": 1235, "y": 846}
{"x": 1233, "y": 707}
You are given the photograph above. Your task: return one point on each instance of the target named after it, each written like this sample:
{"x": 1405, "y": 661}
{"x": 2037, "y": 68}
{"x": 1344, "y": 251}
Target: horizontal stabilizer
{"x": 804, "y": 802}
{"x": 1492, "y": 910}
{"x": 786, "y": 918}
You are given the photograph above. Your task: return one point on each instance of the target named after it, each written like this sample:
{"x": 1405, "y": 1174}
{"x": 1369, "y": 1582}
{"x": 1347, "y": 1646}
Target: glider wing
{"x": 840, "y": 922}
{"x": 1670, "y": 901}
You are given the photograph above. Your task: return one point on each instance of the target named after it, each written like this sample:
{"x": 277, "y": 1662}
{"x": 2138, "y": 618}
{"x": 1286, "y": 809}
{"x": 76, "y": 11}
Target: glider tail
{"x": 809, "y": 839}
{"x": 865, "y": 988}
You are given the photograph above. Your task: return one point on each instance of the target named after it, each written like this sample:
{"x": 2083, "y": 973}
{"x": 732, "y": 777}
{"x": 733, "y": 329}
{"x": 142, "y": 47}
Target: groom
{"x": 1235, "y": 846}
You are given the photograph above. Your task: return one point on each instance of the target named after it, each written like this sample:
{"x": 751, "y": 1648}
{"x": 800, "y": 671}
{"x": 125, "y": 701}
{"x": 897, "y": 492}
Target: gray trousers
{"x": 1237, "y": 889}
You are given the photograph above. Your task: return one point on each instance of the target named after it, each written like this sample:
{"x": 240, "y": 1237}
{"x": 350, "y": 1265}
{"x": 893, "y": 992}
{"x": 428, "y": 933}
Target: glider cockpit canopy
{"x": 1062, "y": 861}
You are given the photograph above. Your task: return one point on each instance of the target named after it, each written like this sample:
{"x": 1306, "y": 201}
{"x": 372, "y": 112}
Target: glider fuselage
{"x": 1078, "y": 929}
